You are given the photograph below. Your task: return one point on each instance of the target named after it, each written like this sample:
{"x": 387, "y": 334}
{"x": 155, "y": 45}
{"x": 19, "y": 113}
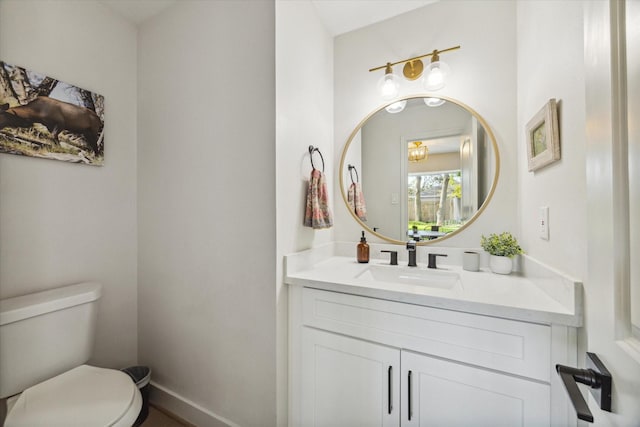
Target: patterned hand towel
{"x": 317, "y": 214}
{"x": 355, "y": 198}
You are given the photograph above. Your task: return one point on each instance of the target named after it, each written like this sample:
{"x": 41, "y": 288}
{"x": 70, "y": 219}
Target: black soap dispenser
{"x": 363, "y": 250}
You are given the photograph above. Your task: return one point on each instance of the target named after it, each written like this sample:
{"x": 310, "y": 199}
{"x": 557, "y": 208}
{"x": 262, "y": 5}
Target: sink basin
{"x": 411, "y": 276}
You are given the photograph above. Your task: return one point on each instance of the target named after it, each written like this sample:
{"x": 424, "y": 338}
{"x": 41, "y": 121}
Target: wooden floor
{"x": 158, "y": 418}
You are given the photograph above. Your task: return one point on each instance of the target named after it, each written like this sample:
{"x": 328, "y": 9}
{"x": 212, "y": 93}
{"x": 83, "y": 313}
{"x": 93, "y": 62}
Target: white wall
{"x": 305, "y": 117}
{"x": 62, "y": 223}
{"x": 207, "y": 258}
{"x": 304, "y": 106}
{"x": 484, "y": 78}
{"x": 556, "y": 29}
{"x": 551, "y": 65}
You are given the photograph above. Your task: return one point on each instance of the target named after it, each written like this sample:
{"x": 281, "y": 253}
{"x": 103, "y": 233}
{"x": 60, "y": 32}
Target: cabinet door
{"x": 348, "y": 382}
{"x": 436, "y": 392}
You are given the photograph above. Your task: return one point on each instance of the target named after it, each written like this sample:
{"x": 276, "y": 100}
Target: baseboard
{"x": 184, "y": 408}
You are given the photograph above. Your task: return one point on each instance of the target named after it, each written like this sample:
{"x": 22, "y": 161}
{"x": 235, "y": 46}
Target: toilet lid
{"x": 85, "y": 395}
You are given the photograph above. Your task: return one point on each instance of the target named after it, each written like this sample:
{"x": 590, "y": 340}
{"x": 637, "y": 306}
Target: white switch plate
{"x": 543, "y": 223}
{"x": 395, "y": 198}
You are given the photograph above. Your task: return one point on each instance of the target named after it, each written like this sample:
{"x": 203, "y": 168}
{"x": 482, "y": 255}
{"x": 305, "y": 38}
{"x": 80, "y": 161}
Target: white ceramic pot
{"x": 500, "y": 264}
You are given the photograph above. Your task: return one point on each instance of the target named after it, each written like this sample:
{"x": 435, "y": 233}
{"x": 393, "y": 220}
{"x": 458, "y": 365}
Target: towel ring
{"x": 311, "y": 150}
{"x": 351, "y": 169}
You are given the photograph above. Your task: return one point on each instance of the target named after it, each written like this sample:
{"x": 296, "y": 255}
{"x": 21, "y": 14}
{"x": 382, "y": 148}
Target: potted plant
{"x": 502, "y": 248}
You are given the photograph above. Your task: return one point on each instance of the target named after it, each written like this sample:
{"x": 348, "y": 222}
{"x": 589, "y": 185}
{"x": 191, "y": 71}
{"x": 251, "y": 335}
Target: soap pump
{"x": 363, "y": 250}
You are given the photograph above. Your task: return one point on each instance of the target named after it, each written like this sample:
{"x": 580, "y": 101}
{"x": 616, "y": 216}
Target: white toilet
{"x": 45, "y": 339}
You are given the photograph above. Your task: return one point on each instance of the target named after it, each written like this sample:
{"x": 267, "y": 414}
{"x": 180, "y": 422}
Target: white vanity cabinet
{"x": 362, "y": 361}
{"x": 348, "y": 382}
{"x": 438, "y": 392}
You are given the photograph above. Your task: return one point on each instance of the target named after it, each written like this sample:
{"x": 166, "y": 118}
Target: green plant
{"x": 503, "y": 244}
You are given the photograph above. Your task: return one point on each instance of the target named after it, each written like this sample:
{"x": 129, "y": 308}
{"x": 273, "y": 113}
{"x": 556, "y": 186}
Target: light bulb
{"x": 434, "y": 102}
{"x": 396, "y": 107}
{"x": 389, "y": 84}
{"x": 389, "y": 87}
{"x": 436, "y": 75}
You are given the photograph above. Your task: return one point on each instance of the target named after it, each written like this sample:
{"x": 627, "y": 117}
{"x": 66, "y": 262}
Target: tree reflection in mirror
{"x": 437, "y": 209}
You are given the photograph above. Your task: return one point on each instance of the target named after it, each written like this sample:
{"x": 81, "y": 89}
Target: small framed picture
{"x": 543, "y": 138}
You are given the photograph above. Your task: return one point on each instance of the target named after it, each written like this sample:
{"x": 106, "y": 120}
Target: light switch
{"x": 543, "y": 223}
{"x": 395, "y": 198}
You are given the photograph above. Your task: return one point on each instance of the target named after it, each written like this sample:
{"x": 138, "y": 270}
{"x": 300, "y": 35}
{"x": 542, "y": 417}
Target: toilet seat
{"x": 84, "y": 396}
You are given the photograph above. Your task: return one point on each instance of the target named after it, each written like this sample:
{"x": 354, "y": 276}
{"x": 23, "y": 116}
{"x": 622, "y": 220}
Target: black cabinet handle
{"x": 409, "y": 400}
{"x": 595, "y": 376}
{"x": 389, "y": 379}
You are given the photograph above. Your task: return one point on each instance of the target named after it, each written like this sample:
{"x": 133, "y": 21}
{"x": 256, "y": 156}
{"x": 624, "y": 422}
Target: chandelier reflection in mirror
{"x": 435, "y": 74}
{"x": 417, "y": 151}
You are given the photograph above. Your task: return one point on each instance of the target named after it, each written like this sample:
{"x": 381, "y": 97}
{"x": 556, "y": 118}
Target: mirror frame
{"x": 486, "y": 202}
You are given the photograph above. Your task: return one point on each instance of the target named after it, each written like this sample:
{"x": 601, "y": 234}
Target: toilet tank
{"x": 45, "y": 333}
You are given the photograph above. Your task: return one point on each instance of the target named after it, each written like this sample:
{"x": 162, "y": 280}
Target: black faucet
{"x": 411, "y": 247}
{"x": 393, "y": 260}
{"x": 432, "y": 260}
{"x": 415, "y": 235}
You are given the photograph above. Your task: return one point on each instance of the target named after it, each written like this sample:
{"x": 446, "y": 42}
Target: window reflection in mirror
{"x": 434, "y": 187}
{"x": 433, "y": 203}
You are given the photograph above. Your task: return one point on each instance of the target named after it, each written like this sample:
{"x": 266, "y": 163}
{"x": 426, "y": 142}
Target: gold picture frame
{"x": 543, "y": 137}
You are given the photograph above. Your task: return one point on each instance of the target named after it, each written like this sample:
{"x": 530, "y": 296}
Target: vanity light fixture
{"x": 436, "y": 73}
{"x": 418, "y": 151}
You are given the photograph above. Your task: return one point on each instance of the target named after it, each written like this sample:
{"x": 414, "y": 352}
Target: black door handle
{"x": 570, "y": 383}
{"x": 595, "y": 376}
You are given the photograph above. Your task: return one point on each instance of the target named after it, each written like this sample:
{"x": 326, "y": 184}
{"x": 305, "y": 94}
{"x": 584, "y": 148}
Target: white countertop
{"x": 542, "y": 296}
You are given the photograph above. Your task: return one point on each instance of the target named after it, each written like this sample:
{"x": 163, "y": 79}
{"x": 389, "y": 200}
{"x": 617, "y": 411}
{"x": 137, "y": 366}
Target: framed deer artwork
{"x": 44, "y": 117}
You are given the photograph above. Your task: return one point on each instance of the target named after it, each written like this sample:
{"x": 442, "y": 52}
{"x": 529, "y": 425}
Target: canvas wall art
{"x": 48, "y": 118}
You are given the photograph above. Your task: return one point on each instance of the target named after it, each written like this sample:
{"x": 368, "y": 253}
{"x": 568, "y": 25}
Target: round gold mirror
{"x": 419, "y": 168}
